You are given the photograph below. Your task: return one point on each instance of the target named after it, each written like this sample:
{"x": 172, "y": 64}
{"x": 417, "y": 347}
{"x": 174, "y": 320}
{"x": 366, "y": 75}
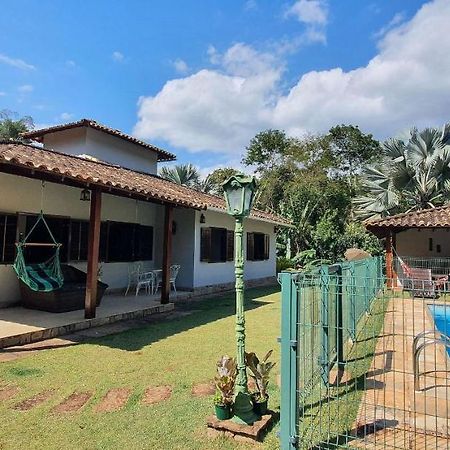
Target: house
{"x": 416, "y": 239}
{"x": 133, "y": 215}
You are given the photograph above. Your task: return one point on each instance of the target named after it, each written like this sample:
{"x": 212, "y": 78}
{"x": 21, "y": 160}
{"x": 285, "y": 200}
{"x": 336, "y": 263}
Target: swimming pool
{"x": 441, "y": 315}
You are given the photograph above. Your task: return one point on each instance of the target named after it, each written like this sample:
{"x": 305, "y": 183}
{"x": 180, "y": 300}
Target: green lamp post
{"x": 239, "y": 191}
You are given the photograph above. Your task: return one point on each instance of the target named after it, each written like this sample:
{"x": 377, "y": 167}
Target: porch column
{"x": 90, "y": 302}
{"x": 167, "y": 254}
{"x": 390, "y": 272}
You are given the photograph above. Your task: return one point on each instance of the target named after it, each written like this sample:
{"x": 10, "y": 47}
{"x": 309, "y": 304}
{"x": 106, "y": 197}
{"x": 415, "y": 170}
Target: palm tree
{"x": 413, "y": 175}
{"x": 185, "y": 174}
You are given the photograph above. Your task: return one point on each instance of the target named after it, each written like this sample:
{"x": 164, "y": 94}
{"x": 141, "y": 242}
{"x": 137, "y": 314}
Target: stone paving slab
{"x": 390, "y": 395}
{"x": 247, "y": 433}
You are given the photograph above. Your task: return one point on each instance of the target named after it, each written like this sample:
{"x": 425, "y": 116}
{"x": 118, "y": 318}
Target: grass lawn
{"x": 179, "y": 352}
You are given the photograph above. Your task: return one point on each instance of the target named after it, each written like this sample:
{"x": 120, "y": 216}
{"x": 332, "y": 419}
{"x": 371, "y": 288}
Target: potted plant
{"x": 260, "y": 371}
{"x": 225, "y": 380}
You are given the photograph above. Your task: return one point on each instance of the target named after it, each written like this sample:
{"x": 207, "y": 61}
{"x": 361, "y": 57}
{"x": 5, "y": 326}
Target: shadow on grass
{"x": 187, "y": 315}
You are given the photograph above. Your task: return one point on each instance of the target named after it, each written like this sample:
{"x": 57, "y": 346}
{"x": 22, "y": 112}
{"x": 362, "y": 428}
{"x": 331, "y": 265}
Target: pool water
{"x": 441, "y": 314}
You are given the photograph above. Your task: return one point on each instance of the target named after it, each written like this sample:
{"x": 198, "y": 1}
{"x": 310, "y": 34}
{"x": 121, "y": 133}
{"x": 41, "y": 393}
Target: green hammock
{"x": 42, "y": 277}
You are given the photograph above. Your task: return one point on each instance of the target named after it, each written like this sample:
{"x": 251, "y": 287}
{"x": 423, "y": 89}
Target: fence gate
{"x": 363, "y": 365}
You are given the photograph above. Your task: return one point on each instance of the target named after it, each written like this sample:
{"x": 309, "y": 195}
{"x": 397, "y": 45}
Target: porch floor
{"x": 20, "y": 326}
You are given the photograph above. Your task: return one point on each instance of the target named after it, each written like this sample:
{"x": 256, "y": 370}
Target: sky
{"x": 201, "y": 78}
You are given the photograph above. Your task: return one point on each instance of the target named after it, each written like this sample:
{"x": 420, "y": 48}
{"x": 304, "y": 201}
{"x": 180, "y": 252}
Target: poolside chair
{"x": 422, "y": 284}
{"x": 172, "y": 277}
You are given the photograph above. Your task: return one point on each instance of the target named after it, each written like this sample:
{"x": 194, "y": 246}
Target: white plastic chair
{"x": 145, "y": 280}
{"x": 173, "y": 273}
{"x": 134, "y": 269}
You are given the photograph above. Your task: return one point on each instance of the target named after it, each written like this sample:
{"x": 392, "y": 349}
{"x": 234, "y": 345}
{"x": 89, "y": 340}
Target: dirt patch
{"x": 157, "y": 394}
{"x": 203, "y": 389}
{"x": 36, "y": 400}
{"x": 73, "y": 402}
{"x": 114, "y": 400}
{"x": 8, "y": 392}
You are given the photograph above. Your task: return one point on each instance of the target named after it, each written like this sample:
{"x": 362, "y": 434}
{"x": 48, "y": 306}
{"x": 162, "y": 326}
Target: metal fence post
{"x": 339, "y": 318}
{"x": 325, "y": 286}
{"x": 289, "y": 370}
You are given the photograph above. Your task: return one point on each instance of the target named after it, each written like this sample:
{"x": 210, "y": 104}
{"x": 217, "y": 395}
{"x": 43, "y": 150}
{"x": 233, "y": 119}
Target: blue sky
{"x": 200, "y": 78}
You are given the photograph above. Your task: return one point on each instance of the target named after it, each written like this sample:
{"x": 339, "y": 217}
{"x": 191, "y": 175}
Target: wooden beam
{"x": 390, "y": 272}
{"x": 90, "y": 303}
{"x": 167, "y": 254}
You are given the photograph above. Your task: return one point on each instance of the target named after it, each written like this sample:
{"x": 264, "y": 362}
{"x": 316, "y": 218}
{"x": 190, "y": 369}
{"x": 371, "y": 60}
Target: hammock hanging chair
{"x": 43, "y": 277}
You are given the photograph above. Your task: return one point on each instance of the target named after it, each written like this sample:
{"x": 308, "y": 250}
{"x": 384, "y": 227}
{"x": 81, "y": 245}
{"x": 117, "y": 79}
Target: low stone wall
{"x": 224, "y": 287}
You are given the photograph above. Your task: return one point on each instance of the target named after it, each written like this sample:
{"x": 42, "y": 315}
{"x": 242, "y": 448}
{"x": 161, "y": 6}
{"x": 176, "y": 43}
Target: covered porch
{"x": 111, "y": 192}
{"x": 19, "y": 326}
{"x": 417, "y": 248}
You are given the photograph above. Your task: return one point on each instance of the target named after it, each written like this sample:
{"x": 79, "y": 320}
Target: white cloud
{"x": 250, "y": 5}
{"x": 407, "y": 83}
{"x": 313, "y": 12}
{"x": 180, "y": 66}
{"x": 25, "y": 88}
{"x": 2, "y": 94}
{"x": 71, "y": 63}
{"x": 397, "y": 19}
{"x": 314, "y": 15}
{"x": 117, "y": 56}
{"x": 16, "y": 62}
{"x": 214, "y": 109}
{"x": 66, "y": 116}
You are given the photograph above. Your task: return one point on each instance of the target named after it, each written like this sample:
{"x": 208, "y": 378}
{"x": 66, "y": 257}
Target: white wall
{"x": 24, "y": 195}
{"x": 414, "y": 242}
{"x": 207, "y": 274}
{"x": 183, "y": 246}
{"x": 103, "y": 146}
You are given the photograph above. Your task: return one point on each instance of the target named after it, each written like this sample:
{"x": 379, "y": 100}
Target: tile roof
{"x": 37, "y": 135}
{"x": 427, "y": 218}
{"x": 117, "y": 179}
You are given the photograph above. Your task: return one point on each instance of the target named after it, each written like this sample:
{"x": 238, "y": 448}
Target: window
{"x": 119, "y": 241}
{"x": 216, "y": 245}
{"x": 8, "y": 227}
{"x": 79, "y": 232}
{"x": 59, "y": 227}
{"x": 143, "y": 243}
{"x": 257, "y": 246}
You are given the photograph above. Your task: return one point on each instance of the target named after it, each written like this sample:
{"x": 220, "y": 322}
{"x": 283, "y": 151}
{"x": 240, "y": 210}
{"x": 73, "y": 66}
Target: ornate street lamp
{"x": 239, "y": 191}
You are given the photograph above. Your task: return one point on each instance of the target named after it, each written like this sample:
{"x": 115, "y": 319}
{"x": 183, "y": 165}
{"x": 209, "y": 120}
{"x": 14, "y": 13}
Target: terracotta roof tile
{"x": 114, "y": 178}
{"x": 427, "y": 218}
{"x": 37, "y": 135}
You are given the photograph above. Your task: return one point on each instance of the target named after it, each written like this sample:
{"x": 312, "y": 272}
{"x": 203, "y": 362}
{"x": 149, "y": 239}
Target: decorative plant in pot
{"x": 225, "y": 380}
{"x": 260, "y": 371}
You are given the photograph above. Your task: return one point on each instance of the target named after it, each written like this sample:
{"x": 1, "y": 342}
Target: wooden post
{"x": 167, "y": 254}
{"x": 390, "y": 272}
{"x": 93, "y": 254}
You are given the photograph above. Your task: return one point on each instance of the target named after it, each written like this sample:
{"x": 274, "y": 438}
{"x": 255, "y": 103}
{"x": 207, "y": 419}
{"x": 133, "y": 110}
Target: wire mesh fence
{"x": 363, "y": 365}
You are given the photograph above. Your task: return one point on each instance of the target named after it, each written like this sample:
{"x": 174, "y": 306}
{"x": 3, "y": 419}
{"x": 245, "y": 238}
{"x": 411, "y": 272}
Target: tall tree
{"x": 413, "y": 175}
{"x": 11, "y": 126}
{"x": 185, "y": 174}
{"x": 213, "y": 182}
{"x": 351, "y": 149}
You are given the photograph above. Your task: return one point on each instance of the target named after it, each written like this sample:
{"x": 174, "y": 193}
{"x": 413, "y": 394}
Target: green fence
{"x": 322, "y": 312}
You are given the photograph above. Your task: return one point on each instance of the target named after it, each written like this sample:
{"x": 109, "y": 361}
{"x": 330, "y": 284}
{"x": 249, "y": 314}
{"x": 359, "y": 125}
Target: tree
{"x": 213, "y": 182}
{"x": 11, "y": 126}
{"x": 268, "y": 149}
{"x": 185, "y": 174}
{"x": 351, "y": 149}
{"x": 413, "y": 175}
